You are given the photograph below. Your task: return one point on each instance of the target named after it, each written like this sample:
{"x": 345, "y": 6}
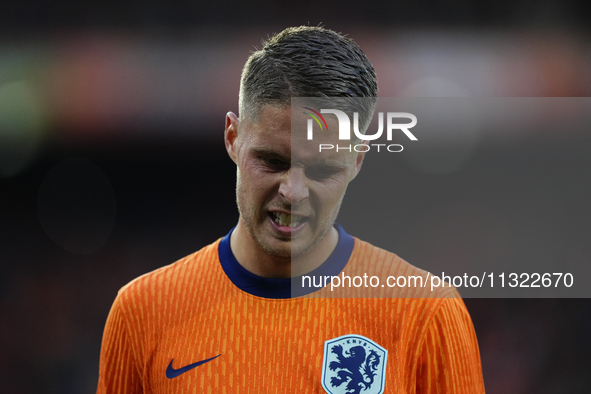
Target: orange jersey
{"x": 189, "y": 328}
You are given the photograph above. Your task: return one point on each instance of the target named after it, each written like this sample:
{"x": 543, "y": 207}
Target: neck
{"x": 250, "y": 255}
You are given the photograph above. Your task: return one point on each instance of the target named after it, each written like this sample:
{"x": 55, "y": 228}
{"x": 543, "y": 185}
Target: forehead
{"x": 280, "y": 130}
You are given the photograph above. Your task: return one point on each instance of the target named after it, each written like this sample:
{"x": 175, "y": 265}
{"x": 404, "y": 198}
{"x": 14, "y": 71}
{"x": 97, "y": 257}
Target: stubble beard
{"x": 249, "y": 219}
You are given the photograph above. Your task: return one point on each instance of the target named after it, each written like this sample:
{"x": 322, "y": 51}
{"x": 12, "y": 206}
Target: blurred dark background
{"x": 112, "y": 162}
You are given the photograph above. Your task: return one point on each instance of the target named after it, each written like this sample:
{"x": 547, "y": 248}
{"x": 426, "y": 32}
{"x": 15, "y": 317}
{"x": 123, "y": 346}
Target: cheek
{"x": 255, "y": 180}
{"x": 250, "y": 167}
{"x": 328, "y": 194}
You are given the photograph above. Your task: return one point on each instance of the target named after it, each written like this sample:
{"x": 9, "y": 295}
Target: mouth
{"x": 286, "y": 220}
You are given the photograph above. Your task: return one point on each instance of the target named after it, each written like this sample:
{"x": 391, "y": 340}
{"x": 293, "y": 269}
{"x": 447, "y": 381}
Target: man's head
{"x": 306, "y": 62}
{"x": 288, "y": 195}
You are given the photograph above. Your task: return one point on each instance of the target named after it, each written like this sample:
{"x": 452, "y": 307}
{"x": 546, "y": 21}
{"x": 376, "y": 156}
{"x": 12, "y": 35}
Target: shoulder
{"x": 397, "y": 277}
{"x": 172, "y": 278}
{"x": 366, "y": 255}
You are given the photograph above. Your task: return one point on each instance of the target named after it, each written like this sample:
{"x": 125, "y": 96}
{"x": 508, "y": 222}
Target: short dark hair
{"x": 306, "y": 61}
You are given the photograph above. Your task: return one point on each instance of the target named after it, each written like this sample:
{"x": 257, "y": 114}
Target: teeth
{"x": 286, "y": 220}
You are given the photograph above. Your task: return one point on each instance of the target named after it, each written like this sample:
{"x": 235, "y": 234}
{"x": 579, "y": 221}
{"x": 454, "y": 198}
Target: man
{"x": 228, "y": 318}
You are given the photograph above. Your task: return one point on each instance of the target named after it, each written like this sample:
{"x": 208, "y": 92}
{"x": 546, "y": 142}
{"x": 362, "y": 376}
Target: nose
{"x": 293, "y": 186}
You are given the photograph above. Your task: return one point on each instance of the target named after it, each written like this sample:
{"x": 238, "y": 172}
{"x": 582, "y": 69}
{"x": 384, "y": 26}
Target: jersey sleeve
{"x": 118, "y": 371}
{"x": 450, "y": 360}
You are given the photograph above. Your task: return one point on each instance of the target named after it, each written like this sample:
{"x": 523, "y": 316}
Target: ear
{"x": 231, "y": 135}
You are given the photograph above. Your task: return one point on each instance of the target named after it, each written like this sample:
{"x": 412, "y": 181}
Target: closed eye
{"x": 322, "y": 172}
{"x": 275, "y": 164}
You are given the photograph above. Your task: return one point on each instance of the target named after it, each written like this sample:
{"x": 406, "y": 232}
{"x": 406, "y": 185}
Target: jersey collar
{"x": 279, "y": 288}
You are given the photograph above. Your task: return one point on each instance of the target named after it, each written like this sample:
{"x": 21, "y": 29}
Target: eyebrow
{"x": 328, "y": 163}
{"x": 270, "y": 153}
{"x": 331, "y": 164}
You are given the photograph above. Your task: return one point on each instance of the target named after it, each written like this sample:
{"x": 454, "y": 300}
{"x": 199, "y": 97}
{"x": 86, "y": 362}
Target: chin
{"x": 279, "y": 252}
{"x": 287, "y": 249}
{"x": 300, "y": 249}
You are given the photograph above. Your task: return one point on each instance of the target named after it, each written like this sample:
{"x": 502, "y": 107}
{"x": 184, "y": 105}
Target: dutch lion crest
{"x": 353, "y": 364}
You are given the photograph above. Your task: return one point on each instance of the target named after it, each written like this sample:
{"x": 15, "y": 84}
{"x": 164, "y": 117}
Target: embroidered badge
{"x": 353, "y": 364}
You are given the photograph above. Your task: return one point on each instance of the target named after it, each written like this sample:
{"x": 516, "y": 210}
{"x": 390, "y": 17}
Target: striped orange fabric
{"x": 190, "y": 311}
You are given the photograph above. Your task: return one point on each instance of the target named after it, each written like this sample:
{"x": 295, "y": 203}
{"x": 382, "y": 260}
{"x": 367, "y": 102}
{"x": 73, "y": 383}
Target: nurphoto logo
{"x": 345, "y": 130}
